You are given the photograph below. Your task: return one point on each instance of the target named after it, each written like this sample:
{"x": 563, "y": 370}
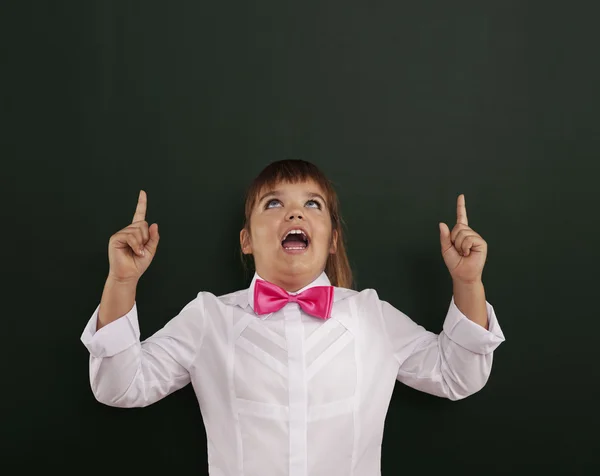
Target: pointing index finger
{"x": 461, "y": 210}
{"x": 140, "y": 211}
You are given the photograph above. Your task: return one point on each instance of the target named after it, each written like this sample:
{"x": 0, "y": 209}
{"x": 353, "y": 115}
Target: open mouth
{"x": 295, "y": 240}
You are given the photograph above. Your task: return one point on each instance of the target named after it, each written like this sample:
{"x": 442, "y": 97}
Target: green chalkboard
{"x": 404, "y": 105}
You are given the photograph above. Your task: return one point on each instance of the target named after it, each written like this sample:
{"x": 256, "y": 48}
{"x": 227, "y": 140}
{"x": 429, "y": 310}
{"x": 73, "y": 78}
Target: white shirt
{"x": 288, "y": 393}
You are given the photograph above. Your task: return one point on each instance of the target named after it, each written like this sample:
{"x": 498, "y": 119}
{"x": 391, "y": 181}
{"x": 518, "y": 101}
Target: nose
{"x": 295, "y": 214}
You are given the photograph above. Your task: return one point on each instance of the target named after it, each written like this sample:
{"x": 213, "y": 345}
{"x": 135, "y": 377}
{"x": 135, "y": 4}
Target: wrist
{"x": 469, "y": 298}
{"x": 118, "y": 298}
{"x": 467, "y": 284}
{"x": 125, "y": 283}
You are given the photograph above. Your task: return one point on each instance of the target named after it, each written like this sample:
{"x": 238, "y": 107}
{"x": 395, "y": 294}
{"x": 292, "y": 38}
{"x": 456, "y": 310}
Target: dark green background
{"x": 404, "y": 105}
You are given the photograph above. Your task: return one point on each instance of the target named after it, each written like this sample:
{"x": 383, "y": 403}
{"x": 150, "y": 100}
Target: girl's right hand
{"x": 131, "y": 250}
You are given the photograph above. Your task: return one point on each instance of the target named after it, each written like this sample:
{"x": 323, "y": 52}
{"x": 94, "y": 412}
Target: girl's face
{"x": 290, "y": 234}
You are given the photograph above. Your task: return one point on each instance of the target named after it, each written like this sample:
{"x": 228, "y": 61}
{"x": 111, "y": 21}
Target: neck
{"x": 291, "y": 283}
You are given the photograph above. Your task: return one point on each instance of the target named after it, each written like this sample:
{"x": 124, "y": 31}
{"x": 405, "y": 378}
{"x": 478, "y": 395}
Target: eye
{"x": 314, "y": 204}
{"x": 272, "y": 203}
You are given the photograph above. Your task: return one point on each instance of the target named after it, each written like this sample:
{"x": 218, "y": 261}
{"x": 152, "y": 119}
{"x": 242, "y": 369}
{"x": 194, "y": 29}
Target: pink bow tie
{"x": 316, "y": 301}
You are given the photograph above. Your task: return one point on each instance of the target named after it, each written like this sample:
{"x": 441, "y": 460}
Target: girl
{"x": 293, "y": 375}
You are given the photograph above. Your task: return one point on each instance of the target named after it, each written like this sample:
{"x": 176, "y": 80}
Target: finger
{"x": 448, "y": 250}
{"x": 142, "y": 226}
{"x": 152, "y": 243}
{"x": 144, "y": 230}
{"x": 466, "y": 245}
{"x": 461, "y": 210}
{"x": 473, "y": 243}
{"x": 129, "y": 239}
{"x": 140, "y": 211}
{"x": 139, "y": 235}
{"x": 458, "y": 228}
{"x": 461, "y": 238}
{"x": 135, "y": 244}
{"x": 445, "y": 240}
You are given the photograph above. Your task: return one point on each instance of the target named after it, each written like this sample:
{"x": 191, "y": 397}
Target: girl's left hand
{"x": 464, "y": 251}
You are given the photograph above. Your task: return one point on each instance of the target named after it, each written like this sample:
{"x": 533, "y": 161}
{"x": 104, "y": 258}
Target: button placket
{"x": 298, "y": 415}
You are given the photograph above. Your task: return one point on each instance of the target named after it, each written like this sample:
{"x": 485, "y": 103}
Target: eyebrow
{"x": 316, "y": 195}
{"x": 277, "y": 193}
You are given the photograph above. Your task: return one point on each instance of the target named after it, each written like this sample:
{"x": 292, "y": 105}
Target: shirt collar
{"x": 322, "y": 280}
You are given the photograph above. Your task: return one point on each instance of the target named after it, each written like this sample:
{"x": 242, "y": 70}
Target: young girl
{"x": 293, "y": 375}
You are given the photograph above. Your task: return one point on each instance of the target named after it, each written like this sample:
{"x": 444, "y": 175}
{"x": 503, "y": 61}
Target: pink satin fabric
{"x": 316, "y": 301}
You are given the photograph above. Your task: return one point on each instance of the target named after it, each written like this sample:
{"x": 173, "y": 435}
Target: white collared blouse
{"x": 288, "y": 393}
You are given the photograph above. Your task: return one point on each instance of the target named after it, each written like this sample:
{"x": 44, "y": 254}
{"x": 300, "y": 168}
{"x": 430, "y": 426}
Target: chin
{"x": 299, "y": 267}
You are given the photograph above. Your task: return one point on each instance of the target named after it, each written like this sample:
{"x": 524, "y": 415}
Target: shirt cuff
{"x": 470, "y": 335}
{"x": 112, "y": 338}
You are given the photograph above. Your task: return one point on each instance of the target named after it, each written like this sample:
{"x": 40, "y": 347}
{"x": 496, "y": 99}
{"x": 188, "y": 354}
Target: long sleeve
{"x": 453, "y": 364}
{"x": 127, "y": 372}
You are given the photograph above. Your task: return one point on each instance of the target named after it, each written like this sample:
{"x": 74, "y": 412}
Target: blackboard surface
{"x": 404, "y": 105}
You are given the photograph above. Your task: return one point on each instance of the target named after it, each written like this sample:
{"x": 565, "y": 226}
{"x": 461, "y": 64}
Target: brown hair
{"x": 337, "y": 267}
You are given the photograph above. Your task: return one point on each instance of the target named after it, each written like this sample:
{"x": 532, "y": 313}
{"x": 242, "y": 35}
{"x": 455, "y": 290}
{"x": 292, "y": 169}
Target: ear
{"x": 334, "y": 242}
{"x": 245, "y": 242}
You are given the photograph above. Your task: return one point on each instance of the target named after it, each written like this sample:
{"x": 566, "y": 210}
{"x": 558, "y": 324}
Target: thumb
{"x": 152, "y": 243}
{"x": 445, "y": 240}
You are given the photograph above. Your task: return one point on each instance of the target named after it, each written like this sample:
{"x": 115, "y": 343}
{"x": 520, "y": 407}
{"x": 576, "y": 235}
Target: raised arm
{"x": 457, "y": 362}
{"x": 125, "y": 372}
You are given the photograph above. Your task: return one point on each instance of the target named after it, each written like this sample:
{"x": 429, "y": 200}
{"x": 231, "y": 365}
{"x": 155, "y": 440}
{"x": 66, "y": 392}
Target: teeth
{"x": 295, "y": 232}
